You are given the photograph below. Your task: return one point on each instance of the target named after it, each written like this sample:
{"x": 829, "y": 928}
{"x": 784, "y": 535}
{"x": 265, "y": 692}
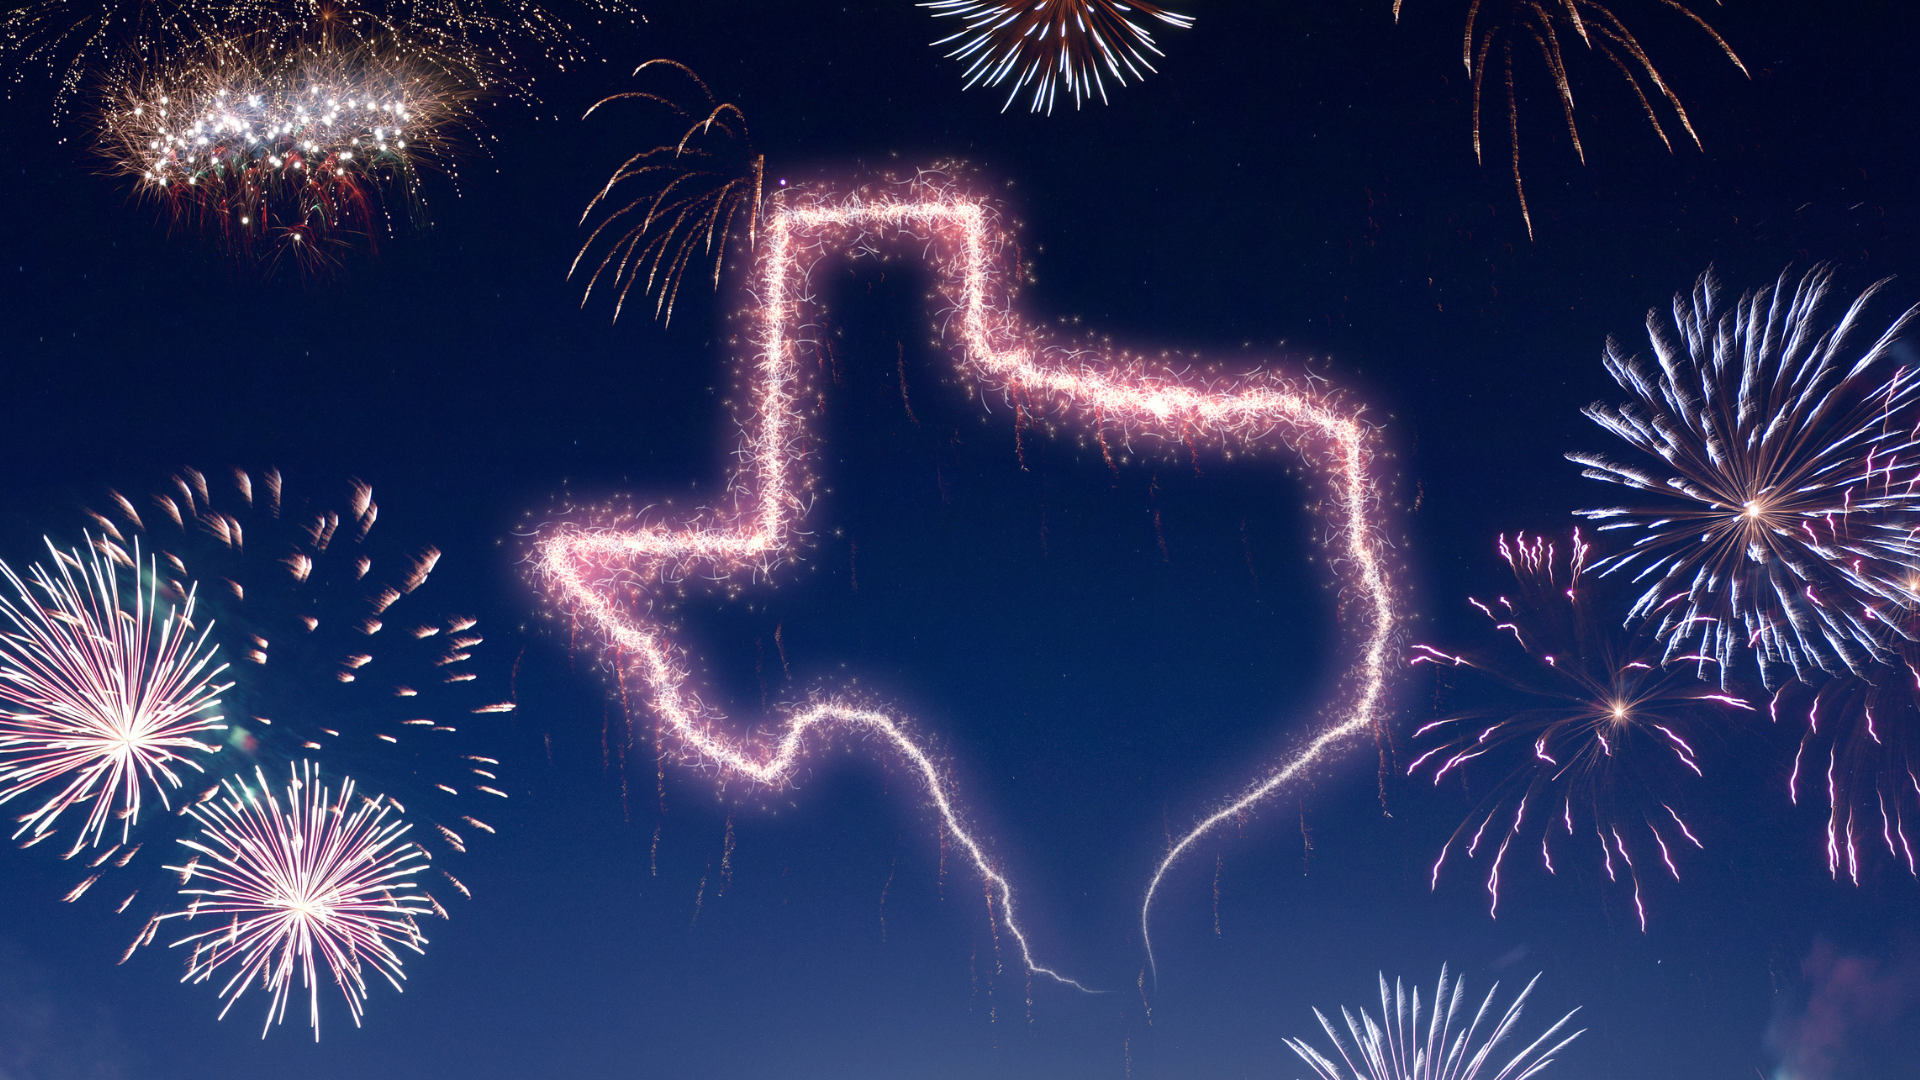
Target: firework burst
{"x": 288, "y": 154}
{"x": 1782, "y": 506}
{"x": 339, "y": 645}
{"x": 1394, "y": 1049}
{"x": 683, "y": 198}
{"x": 483, "y": 38}
{"x": 324, "y": 879}
{"x": 1053, "y": 45}
{"x": 1596, "y": 734}
{"x": 1494, "y": 30}
{"x": 99, "y": 695}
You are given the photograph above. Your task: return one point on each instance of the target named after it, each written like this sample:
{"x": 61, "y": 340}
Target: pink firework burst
{"x": 326, "y": 878}
{"x": 1053, "y": 45}
{"x": 100, "y": 695}
{"x": 1592, "y": 734}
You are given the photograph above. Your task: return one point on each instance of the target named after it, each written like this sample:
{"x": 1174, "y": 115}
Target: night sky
{"x": 1099, "y": 655}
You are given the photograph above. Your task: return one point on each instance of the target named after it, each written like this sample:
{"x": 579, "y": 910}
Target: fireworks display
{"x": 1452, "y": 1048}
{"x": 686, "y": 196}
{"x": 323, "y": 879}
{"x": 297, "y": 154}
{"x": 1494, "y": 30}
{"x": 1053, "y": 46}
{"x": 102, "y": 698}
{"x": 1594, "y": 740}
{"x": 336, "y": 646}
{"x": 1780, "y": 507}
{"x": 608, "y": 574}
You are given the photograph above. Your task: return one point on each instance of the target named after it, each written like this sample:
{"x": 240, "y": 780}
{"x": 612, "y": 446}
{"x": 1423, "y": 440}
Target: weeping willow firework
{"x": 1494, "y": 31}
{"x": 1451, "y": 1049}
{"x": 338, "y": 645}
{"x": 1591, "y": 733}
{"x": 1053, "y": 45}
{"x": 295, "y": 154}
{"x": 1780, "y": 508}
{"x": 683, "y": 198}
{"x": 321, "y": 879}
{"x": 101, "y": 698}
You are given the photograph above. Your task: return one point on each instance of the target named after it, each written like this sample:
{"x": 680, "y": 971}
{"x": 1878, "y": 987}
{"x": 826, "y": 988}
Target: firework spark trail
{"x": 1392, "y": 1048}
{"x": 322, "y": 877}
{"x": 1053, "y": 44}
{"x": 608, "y": 575}
{"x": 106, "y": 697}
{"x": 1785, "y": 522}
{"x": 1597, "y": 716}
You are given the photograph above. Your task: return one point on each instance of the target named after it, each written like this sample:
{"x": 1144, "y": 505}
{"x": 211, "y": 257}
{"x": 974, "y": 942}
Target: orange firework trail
{"x": 611, "y": 573}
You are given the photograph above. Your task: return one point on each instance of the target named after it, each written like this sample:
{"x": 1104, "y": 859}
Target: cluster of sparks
{"x": 106, "y": 697}
{"x": 611, "y": 575}
{"x": 1053, "y": 45}
{"x": 1599, "y": 724}
{"x": 99, "y": 699}
{"x": 1451, "y": 1048}
{"x": 285, "y": 154}
{"x": 334, "y": 654}
{"x": 323, "y": 879}
{"x": 1494, "y": 30}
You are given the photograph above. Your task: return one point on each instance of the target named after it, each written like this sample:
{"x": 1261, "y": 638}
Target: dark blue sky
{"x": 1296, "y": 185}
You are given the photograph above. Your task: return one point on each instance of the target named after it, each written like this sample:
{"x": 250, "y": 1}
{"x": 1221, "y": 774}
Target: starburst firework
{"x": 1394, "y": 1049}
{"x": 325, "y": 879}
{"x": 98, "y": 696}
{"x": 1592, "y": 735}
{"x": 1053, "y": 45}
{"x": 1783, "y": 509}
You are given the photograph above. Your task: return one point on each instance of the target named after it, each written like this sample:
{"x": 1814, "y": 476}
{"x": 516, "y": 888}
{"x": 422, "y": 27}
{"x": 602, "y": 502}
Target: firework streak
{"x": 610, "y": 574}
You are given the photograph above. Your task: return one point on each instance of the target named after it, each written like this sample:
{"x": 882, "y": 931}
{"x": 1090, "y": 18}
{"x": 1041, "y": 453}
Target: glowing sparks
{"x": 610, "y": 575}
{"x": 347, "y": 651}
{"x": 1053, "y": 45}
{"x": 99, "y": 696}
{"x": 1784, "y": 511}
{"x": 1452, "y": 1048}
{"x": 286, "y": 153}
{"x": 1592, "y": 730}
{"x": 1494, "y": 29}
{"x": 690, "y": 194}
{"x": 321, "y": 879}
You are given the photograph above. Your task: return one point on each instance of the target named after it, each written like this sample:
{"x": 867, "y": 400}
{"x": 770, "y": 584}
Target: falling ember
{"x": 321, "y": 878}
{"x": 609, "y": 572}
{"x": 100, "y": 695}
